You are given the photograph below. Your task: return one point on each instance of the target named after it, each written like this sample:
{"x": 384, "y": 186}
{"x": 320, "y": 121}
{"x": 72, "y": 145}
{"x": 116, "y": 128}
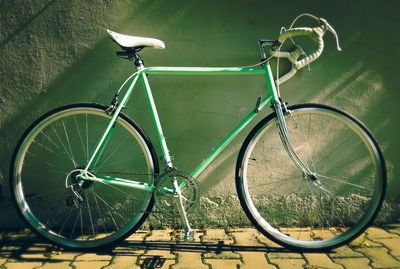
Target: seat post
{"x": 137, "y": 60}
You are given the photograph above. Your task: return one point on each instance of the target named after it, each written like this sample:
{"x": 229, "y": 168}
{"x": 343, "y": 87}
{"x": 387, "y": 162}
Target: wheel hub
{"x": 312, "y": 177}
{"x": 75, "y": 178}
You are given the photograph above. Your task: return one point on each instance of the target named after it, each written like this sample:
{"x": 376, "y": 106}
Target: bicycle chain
{"x": 127, "y": 173}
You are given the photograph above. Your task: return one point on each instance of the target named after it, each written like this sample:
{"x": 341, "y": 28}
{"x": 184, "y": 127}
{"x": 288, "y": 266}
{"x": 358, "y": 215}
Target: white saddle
{"x": 126, "y": 41}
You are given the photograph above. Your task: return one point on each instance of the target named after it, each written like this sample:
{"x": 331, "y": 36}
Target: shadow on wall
{"x": 200, "y": 33}
{"x": 22, "y": 26}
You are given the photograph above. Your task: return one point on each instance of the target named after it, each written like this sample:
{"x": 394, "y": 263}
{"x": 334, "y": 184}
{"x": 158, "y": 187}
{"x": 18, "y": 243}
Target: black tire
{"x": 305, "y": 213}
{"x": 45, "y": 155}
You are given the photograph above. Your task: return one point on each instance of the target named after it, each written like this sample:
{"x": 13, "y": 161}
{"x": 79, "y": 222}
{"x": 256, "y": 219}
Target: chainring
{"x": 167, "y": 199}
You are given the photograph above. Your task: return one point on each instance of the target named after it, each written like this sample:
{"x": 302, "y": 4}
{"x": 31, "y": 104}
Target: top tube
{"x": 161, "y": 70}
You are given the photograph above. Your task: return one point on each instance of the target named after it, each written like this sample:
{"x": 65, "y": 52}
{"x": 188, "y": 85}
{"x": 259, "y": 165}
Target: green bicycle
{"x": 86, "y": 175}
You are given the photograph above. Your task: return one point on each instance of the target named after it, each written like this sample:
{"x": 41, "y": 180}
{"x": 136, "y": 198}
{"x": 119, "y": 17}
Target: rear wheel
{"x": 318, "y": 212}
{"x": 52, "y": 198}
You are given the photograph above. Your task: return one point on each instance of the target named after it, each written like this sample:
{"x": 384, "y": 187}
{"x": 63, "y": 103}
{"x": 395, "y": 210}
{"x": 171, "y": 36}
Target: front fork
{"x": 281, "y": 110}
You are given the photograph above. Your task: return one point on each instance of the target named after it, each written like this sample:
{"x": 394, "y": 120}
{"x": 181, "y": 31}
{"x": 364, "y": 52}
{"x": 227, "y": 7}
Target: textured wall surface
{"x": 57, "y": 52}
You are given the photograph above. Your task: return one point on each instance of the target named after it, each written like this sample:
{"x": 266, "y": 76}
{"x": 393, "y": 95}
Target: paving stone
{"x": 361, "y": 263}
{"x": 289, "y": 263}
{"x": 124, "y": 262}
{"x": 393, "y": 244}
{"x": 222, "y": 255}
{"x": 34, "y": 254}
{"x": 90, "y": 264}
{"x": 155, "y": 255}
{"x": 22, "y": 265}
{"x": 126, "y": 256}
{"x": 379, "y": 233}
{"x": 219, "y": 236}
{"x": 62, "y": 256}
{"x": 377, "y": 248}
{"x": 56, "y": 265}
{"x": 15, "y": 236}
{"x": 267, "y": 242}
{"x": 284, "y": 255}
{"x": 2, "y": 261}
{"x": 9, "y": 248}
{"x": 138, "y": 236}
{"x": 166, "y": 256}
{"x": 363, "y": 241}
{"x": 247, "y": 237}
{"x": 160, "y": 235}
{"x": 225, "y": 264}
{"x": 344, "y": 252}
{"x": 320, "y": 260}
{"x": 92, "y": 257}
{"x": 393, "y": 228}
{"x": 380, "y": 257}
{"x": 251, "y": 259}
{"x": 216, "y": 235}
{"x": 189, "y": 260}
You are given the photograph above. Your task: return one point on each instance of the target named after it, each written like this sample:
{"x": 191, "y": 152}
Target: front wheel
{"x": 45, "y": 181}
{"x": 318, "y": 212}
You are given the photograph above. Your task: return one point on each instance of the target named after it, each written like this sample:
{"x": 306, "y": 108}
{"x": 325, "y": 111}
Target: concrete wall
{"x": 57, "y": 52}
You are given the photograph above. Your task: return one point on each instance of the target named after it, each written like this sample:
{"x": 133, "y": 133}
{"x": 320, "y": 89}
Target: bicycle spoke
{"x": 335, "y": 149}
{"x": 274, "y": 182}
{"x": 41, "y": 145}
{"x": 90, "y": 214}
{"x": 76, "y": 222}
{"x": 99, "y": 211}
{"x": 69, "y": 144}
{"x": 28, "y": 197}
{"x": 335, "y": 199}
{"x": 87, "y": 138}
{"x": 111, "y": 154}
{"x": 344, "y": 182}
{"x": 52, "y": 142}
{"x": 347, "y": 163}
{"x": 65, "y": 222}
{"x": 65, "y": 149}
{"x": 80, "y": 138}
{"x": 307, "y": 146}
{"x": 109, "y": 212}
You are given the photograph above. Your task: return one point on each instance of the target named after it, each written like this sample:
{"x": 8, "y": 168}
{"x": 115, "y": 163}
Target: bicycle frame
{"x": 271, "y": 96}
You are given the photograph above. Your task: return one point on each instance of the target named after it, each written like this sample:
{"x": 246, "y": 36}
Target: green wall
{"x": 57, "y": 52}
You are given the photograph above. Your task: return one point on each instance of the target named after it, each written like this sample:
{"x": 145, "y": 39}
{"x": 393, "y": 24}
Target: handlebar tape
{"x": 314, "y": 33}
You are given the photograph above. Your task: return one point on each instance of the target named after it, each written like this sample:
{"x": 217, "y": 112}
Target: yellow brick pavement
{"x": 378, "y": 247}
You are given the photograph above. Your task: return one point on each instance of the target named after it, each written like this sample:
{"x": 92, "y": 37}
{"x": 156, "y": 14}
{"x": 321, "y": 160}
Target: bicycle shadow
{"x": 29, "y": 248}
{"x": 206, "y": 247}
{"x": 23, "y": 247}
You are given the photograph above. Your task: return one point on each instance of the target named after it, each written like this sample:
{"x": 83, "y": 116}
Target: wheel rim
{"x": 298, "y": 211}
{"x": 44, "y": 167}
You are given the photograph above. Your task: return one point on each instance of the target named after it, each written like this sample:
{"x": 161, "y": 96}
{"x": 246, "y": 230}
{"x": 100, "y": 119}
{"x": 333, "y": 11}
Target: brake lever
{"x": 329, "y": 28}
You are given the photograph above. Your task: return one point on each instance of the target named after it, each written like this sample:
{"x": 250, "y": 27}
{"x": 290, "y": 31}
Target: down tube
{"x": 228, "y": 139}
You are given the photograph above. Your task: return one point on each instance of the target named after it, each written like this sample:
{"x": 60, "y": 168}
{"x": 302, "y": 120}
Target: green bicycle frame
{"x": 271, "y": 96}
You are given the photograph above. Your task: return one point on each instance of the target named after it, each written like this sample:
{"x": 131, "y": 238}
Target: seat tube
{"x": 167, "y": 158}
{"x": 156, "y": 120}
